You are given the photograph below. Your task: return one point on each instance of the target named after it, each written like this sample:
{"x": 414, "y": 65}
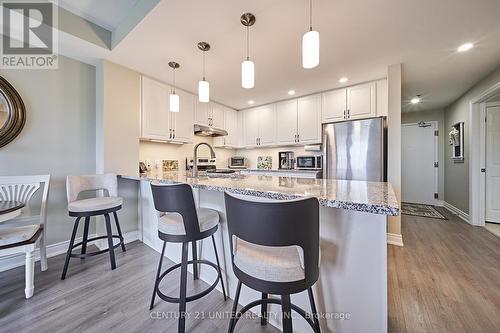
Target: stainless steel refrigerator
{"x": 355, "y": 150}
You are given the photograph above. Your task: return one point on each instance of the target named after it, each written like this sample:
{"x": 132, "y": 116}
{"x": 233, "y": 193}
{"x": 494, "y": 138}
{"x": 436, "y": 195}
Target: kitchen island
{"x": 351, "y": 292}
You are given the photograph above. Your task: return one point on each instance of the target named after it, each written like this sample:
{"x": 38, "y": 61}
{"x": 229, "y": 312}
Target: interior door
{"x": 419, "y": 177}
{"x": 309, "y": 119}
{"x": 493, "y": 164}
{"x": 286, "y": 115}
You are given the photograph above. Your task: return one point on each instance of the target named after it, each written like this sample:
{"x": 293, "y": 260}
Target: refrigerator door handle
{"x": 325, "y": 151}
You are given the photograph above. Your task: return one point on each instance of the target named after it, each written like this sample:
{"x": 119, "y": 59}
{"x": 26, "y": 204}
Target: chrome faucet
{"x": 195, "y": 157}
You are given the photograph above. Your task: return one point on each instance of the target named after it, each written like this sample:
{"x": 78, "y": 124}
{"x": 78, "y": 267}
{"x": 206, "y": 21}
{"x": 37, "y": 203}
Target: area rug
{"x": 421, "y": 210}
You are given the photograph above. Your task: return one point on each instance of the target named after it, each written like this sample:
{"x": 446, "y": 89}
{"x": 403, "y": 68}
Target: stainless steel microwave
{"x": 237, "y": 162}
{"x": 314, "y": 162}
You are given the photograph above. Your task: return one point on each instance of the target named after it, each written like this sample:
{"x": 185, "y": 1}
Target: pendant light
{"x": 203, "y": 85}
{"x": 174, "y": 98}
{"x": 310, "y": 44}
{"x": 247, "y": 66}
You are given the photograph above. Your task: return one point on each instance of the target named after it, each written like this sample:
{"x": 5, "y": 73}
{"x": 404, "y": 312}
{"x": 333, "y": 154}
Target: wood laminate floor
{"x": 445, "y": 279}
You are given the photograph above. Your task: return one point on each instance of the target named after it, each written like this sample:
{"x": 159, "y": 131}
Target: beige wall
{"x": 438, "y": 116}
{"x": 394, "y": 140}
{"x": 456, "y": 184}
{"x": 58, "y": 137}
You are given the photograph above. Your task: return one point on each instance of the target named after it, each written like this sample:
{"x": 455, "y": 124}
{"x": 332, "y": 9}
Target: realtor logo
{"x": 29, "y": 40}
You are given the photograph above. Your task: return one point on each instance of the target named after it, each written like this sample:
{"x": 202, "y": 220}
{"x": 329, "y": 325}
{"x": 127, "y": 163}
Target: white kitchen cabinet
{"x": 382, "y": 98}
{"x": 267, "y": 125}
{"x": 361, "y": 101}
{"x": 183, "y": 120}
{"x": 250, "y": 127}
{"x": 155, "y": 114}
{"x": 356, "y": 102}
{"x": 231, "y": 126}
{"x": 157, "y": 122}
{"x": 209, "y": 114}
{"x": 216, "y": 118}
{"x": 286, "y": 118}
{"x": 334, "y": 105}
{"x": 309, "y": 119}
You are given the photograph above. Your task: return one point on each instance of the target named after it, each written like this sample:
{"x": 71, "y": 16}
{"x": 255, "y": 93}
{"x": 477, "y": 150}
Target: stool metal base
{"x": 85, "y": 240}
{"x": 286, "y": 305}
{"x": 183, "y": 297}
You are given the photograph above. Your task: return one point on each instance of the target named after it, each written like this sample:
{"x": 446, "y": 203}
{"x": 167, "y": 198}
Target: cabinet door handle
{"x": 298, "y": 137}
{"x": 173, "y": 135}
{"x": 348, "y": 113}
{"x": 345, "y": 114}
{"x": 170, "y": 134}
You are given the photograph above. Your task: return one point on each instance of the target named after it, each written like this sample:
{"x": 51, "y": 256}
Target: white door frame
{"x": 477, "y": 157}
{"x": 435, "y": 126}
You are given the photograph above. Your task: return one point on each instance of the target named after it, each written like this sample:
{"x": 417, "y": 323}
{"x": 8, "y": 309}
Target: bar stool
{"x": 93, "y": 207}
{"x": 180, "y": 222}
{"x": 275, "y": 250}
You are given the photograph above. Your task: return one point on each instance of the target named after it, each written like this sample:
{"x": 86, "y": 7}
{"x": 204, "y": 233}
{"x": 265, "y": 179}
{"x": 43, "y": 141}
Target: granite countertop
{"x": 370, "y": 197}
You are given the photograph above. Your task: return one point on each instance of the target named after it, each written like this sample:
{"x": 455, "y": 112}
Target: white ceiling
{"x": 359, "y": 39}
{"x": 105, "y": 13}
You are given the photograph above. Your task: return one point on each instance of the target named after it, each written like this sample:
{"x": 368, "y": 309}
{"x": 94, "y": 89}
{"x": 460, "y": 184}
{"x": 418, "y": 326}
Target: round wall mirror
{"x": 12, "y": 113}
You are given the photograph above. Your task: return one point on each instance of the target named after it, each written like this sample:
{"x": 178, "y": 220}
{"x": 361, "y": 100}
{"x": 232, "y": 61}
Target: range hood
{"x": 203, "y": 130}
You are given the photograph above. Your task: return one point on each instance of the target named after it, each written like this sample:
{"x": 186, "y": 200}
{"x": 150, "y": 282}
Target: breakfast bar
{"x": 352, "y": 289}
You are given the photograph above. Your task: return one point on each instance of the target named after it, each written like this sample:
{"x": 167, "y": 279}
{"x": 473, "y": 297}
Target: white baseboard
{"x": 16, "y": 257}
{"x": 464, "y": 216}
{"x": 394, "y": 239}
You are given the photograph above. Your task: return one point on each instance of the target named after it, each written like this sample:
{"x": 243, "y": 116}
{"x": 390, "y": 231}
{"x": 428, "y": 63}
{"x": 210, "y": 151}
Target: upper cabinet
{"x": 354, "y": 102}
{"x": 299, "y": 121}
{"x": 155, "y": 116}
{"x": 157, "y": 122}
{"x": 231, "y": 126}
{"x": 309, "y": 119}
{"x": 209, "y": 114}
{"x": 259, "y": 126}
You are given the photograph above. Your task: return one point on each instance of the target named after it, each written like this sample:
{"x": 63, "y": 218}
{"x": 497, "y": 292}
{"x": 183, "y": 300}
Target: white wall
{"x": 394, "y": 140}
{"x": 58, "y": 137}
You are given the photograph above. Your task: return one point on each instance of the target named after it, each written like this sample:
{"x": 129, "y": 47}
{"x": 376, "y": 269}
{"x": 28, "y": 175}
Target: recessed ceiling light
{"x": 465, "y": 47}
{"x": 251, "y": 102}
{"x": 415, "y": 100}
{"x": 343, "y": 80}
{"x": 291, "y": 92}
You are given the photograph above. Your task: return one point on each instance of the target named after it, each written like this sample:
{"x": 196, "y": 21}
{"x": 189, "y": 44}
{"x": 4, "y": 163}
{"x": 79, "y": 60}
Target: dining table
{"x": 10, "y": 210}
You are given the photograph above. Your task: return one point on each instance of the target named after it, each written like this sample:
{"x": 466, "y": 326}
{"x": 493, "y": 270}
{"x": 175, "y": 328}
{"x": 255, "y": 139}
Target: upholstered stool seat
{"x": 173, "y": 224}
{"x": 18, "y": 234}
{"x": 94, "y": 204}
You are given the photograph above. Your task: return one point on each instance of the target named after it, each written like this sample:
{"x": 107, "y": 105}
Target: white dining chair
{"x": 28, "y": 229}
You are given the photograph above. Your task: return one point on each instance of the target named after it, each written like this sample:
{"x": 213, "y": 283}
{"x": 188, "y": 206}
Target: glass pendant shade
{"x": 310, "y": 49}
{"x": 174, "y": 102}
{"x": 204, "y": 91}
{"x": 247, "y": 74}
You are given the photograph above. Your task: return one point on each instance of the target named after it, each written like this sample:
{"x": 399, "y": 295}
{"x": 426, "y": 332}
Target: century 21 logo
{"x": 27, "y": 28}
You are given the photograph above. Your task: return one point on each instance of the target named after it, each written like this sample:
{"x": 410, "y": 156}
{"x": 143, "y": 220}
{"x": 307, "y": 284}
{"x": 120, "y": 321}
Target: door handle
{"x": 170, "y": 133}
{"x": 483, "y": 169}
{"x": 298, "y": 137}
{"x": 348, "y": 113}
{"x": 173, "y": 134}
{"x": 345, "y": 114}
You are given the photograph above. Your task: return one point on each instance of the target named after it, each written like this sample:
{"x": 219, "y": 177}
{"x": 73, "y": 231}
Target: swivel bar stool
{"x": 93, "y": 207}
{"x": 275, "y": 250}
{"x": 180, "y": 222}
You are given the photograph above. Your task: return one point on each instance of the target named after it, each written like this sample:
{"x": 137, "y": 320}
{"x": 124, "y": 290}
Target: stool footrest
{"x": 191, "y": 297}
{"x": 91, "y": 254}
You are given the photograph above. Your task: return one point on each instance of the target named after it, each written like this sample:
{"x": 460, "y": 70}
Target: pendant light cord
{"x": 203, "y": 65}
{"x": 310, "y": 15}
{"x": 173, "y": 87}
{"x": 248, "y": 43}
